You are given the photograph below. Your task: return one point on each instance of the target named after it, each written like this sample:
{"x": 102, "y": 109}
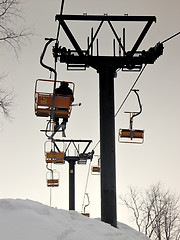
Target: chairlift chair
{"x": 52, "y": 154}
{"x": 84, "y": 213}
{"x": 53, "y": 182}
{"x": 82, "y": 161}
{"x": 52, "y": 178}
{"x": 55, "y": 157}
{"x": 96, "y": 170}
{"x": 132, "y": 135}
{"x": 43, "y": 101}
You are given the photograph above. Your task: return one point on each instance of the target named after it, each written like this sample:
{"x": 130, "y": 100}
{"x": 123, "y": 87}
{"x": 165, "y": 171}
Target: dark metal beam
{"x": 117, "y": 62}
{"x": 71, "y": 37}
{"x": 72, "y": 140}
{"x": 117, "y": 37}
{"x": 141, "y": 37}
{"x": 93, "y": 37}
{"x": 71, "y": 184}
{"x": 107, "y": 146}
{"x": 105, "y": 18}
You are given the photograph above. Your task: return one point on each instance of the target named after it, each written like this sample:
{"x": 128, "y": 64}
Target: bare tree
{"x": 13, "y": 33}
{"x": 155, "y": 211}
{"x": 12, "y": 29}
{"x": 6, "y": 101}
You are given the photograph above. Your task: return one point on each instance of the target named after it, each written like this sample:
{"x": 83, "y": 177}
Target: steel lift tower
{"x": 106, "y": 66}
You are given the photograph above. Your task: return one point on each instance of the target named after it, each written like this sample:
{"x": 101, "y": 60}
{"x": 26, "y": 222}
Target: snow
{"x": 30, "y": 220}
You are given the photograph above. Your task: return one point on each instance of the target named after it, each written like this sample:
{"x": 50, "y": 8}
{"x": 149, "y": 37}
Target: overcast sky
{"x": 23, "y": 170}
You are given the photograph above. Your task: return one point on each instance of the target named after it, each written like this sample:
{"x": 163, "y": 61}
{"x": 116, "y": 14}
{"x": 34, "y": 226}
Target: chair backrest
{"x": 54, "y": 157}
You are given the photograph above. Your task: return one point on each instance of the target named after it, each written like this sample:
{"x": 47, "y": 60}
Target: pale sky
{"x": 23, "y": 170}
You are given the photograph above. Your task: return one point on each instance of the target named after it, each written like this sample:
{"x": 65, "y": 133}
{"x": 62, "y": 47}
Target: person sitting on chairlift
{"x": 63, "y": 89}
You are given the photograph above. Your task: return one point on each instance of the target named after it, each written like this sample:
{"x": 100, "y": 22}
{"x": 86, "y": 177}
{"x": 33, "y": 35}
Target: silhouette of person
{"x": 63, "y": 89}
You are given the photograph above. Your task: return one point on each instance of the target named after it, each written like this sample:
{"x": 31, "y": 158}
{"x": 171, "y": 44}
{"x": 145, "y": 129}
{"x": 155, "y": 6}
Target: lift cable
{"x": 55, "y": 57}
{"x": 61, "y": 11}
{"x": 130, "y": 90}
{"x": 170, "y": 37}
{"x": 96, "y": 144}
{"x": 56, "y": 47}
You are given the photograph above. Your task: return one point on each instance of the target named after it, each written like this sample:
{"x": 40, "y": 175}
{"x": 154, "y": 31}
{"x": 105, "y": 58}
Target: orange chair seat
{"x": 43, "y": 105}
{"x": 54, "y": 157}
{"x": 127, "y": 133}
{"x": 52, "y": 182}
{"x": 95, "y": 169}
{"x": 86, "y": 214}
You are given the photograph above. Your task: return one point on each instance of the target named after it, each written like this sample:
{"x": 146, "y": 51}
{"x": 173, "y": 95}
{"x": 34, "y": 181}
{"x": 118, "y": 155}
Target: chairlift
{"x": 96, "y": 170}
{"x": 44, "y": 100}
{"x": 52, "y": 154}
{"x": 55, "y": 157}
{"x": 132, "y": 135}
{"x": 52, "y": 178}
{"x": 84, "y": 213}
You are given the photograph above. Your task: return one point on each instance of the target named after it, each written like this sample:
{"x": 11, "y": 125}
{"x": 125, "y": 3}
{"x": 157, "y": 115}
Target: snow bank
{"x": 27, "y": 220}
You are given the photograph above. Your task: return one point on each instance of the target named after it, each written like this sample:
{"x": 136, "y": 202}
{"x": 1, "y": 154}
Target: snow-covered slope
{"x": 29, "y": 220}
